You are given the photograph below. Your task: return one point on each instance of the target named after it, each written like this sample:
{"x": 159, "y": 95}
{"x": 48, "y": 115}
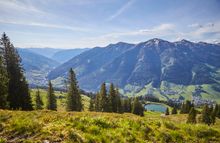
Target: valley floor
{"x": 50, "y": 126}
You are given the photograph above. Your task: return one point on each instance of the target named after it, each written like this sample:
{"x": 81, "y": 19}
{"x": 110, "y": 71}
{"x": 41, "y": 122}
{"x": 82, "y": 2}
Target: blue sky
{"x": 90, "y": 23}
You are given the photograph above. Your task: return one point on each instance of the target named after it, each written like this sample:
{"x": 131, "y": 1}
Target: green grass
{"x": 89, "y": 127}
{"x": 61, "y": 99}
{"x": 185, "y": 91}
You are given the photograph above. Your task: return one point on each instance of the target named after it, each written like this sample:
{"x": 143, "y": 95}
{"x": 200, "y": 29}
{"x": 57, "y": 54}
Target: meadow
{"x": 95, "y": 127}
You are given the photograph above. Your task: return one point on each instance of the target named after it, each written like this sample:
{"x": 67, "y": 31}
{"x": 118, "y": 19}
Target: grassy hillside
{"x": 209, "y": 91}
{"x": 89, "y": 127}
{"x": 61, "y": 99}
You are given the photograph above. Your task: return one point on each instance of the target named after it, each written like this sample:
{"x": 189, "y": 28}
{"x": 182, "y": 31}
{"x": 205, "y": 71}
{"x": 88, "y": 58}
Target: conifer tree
{"x": 113, "y": 98}
{"x": 213, "y": 116}
{"x": 217, "y": 110}
{"x": 26, "y": 102}
{"x": 51, "y": 98}
{"x": 103, "y": 98}
{"x": 38, "y": 101}
{"x": 74, "y": 102}
{"x": 3, "y": 82}
{"x": 118, "y": 100}
{"x": 97, "y": 102}
{"x": 192, "y": 116}
{"x": 127, "y": 105}
{"x": 188, "y": 106}
{"x": 18, "y": 92}
{"x": 137, "y": 108}
{"x": 91, "y": 105}
{"x": 174, "y": 110}
{"x": 185, "y": 108}
{"x": 182, "y": 109}
{"x": 205, "y": 117}
{"x": 167, "y": 111}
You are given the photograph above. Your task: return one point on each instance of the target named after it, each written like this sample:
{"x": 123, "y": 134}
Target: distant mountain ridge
{"x": 36, "y": 66}
{"x": 65, "y": 55}
{"x": 58, "y": 54}
{"x": 151, "y": 62}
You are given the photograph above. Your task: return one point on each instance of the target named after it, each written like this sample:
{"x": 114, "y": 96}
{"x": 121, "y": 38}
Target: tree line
{"x": 112, "y": 102}
{"x": 14, "y": 91}
{"x": 208, "y": 114}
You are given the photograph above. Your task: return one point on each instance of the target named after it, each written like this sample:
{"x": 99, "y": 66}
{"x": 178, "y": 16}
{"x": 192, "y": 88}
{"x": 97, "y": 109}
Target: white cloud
{"x": 19, "y": 6}
{"x": 46, "y": 25}
{"x": 121, "y": 10}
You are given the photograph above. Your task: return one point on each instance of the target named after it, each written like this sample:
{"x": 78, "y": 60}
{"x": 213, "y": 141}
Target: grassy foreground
{"x": 51, "y": 126}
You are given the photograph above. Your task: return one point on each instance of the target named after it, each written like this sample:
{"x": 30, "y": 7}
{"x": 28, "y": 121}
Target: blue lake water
{"x": 155, "y": 107}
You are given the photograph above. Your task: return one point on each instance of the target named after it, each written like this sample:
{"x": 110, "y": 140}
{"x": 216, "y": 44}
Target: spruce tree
{"x": 137, "y": 108}
{"x": 167, "y": 111}
{"x": 213, "y": 117}
{"x": 126, "y": 106}
{"x": 51, "y": 98}
{"x": 97, "y": 102}
{"x": 91, "y": 105}
{"x": 38, "y": 101}
{"x": 192, "y": 116}
{"x": 74, "y": 102}
{"x": 188, "y": 106}
{"x": 3, "y": 82}
{"x": 205, "y": 117}
{"x": 113, "y": 98}
{"x": 18, "y": 92}
{"x": 103, "y": 98}
{"x": 26, "y": 101}
{"x": 217, "y": 110}
{"x": 174, "y": 110}
{"x": 182, "y": 109}
{"x": 118, "y": 100}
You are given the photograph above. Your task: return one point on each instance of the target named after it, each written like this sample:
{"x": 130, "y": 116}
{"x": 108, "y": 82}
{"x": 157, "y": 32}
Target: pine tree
{"x": 3, "y": 82}
{"x": 38, "y": 101}
{"x": 188, "y": 106}
{"x": 137, "y": 108}
{"x": 26, "y": 102}
{"x": 212, "y": 116}
{"x": 205, "y": 117}
{"x": 174, "y": 110}
{"x": 103, "y": 98}
{"x": 127, "y": 105}
{"x": 192, "y": 116}
{"x": 51, "y": 98}
{"x": 118, "y": 100}
{"x": 217, "y": 110}
{"x": 91, "y": 105}
{"x": 97, "y": 102}
{"x": 113, "y": 98}
{"x": 74, "y": 102}
{"x": 183, "y": 107}
{"x": 18, "y": 92}
{"x": 167, "y": 111}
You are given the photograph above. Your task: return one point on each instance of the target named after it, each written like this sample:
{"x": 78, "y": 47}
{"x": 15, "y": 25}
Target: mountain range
{"x": 38, "y": 62}
{"x": 154, "y": 66}
{"x": 154, "y": 61}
